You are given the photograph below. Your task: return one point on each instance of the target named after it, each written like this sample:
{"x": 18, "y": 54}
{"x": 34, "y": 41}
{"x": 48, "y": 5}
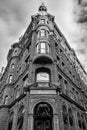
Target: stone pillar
{"x": 59, "y": 108}
{"x": 3, "y": 118}
{"x": 55, "y": 122}
{"x": 14, "y": 127}
{"x": 25, "y": 124}
{"x": 30, "y": 122}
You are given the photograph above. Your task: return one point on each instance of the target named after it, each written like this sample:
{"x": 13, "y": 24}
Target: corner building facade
{"x": 43, "y": 86}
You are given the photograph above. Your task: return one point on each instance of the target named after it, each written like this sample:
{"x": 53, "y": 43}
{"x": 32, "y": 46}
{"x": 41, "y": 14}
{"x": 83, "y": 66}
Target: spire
{"x": 42, "y": 8}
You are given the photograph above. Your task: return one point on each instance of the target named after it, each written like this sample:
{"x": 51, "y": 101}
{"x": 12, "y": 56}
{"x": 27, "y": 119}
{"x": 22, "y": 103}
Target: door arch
{"x": 43, "y": 116}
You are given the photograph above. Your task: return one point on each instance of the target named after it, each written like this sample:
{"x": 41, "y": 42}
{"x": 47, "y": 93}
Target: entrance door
{"x": 43, "y": 117}
{"x": 43, "y": 124}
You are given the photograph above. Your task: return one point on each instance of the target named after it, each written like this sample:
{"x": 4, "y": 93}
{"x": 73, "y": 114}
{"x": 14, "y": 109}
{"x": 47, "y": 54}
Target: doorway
{"x": 43, "y": 115}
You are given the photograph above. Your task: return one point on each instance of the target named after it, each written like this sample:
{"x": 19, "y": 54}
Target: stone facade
{"x": 44, "y": 85}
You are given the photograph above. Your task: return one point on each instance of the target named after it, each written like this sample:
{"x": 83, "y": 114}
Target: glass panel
{"x": 42, "y": 77}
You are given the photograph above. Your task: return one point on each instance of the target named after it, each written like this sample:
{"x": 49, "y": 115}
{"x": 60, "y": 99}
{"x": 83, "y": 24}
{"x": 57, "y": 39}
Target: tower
{"x": 44, "y": 85}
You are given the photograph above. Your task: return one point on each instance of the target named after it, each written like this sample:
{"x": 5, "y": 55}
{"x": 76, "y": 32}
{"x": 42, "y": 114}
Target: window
{"x": 42, "y": 47}
{"x": 43, "y": 33}
{"x": 16, "y": 51}
{"x": 18, "y": 93}
{"x": 20, "y": 118}
{"x": 10, "y": 79}
{"x": 25, "y": 80}
{"x": 65, "y": 86}
{"x": 10, "y": 122}
{"x": 42, "y": 77}
{"x": 70, "y": 117}
{"x": 12, "y": 65}
{"x": 38, "y": 48}
{"x": 65, "y": 115}
{"x": 43, "y": 21}
{"x": 47, "y": 48}
{"x": 6, "y": 99}
{"x": 28, "y": 47}
{"x": 27, "y": 60}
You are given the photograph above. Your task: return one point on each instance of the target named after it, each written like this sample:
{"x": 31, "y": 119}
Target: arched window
{"x": 6, "y": 99}
{"x": 10, "y": 122}
{"x": 10, "y": 79}
{"x": 79, "y": 120}
{"x": 20, "y": 118}
{"x": 70, "y": 116}
{"x": 12, "y": 65}
{"x": 65, "y": 115}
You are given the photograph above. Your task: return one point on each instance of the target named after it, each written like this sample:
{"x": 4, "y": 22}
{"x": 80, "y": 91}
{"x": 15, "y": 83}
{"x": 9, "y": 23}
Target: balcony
{"x": 42, "y": 58}
{"x": 43, "y": 84}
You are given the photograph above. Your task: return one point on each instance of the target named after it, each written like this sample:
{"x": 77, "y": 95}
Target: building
{"x": 44, "y": 86}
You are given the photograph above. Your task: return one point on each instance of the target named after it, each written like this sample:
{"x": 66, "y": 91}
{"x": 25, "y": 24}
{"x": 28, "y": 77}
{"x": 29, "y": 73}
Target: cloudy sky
{"x": 70, "y": 16}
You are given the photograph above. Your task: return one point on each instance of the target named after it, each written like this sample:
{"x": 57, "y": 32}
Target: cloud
{"x": 15, "y": 17}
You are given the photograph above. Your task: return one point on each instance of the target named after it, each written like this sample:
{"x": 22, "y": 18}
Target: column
{"x": 14, "y": 127}
{"x": 30, "y": 122}
{"x": 55, "y": 122}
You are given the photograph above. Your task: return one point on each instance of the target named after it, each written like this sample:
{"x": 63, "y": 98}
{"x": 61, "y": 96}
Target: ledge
{"x": 72, "y": 101}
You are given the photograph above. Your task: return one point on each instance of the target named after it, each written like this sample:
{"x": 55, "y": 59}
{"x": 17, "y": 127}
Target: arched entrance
{"x": 43, "y": 115}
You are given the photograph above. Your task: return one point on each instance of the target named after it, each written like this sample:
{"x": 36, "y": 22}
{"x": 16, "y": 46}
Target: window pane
{"x": 43, "y": 50}
{"x": 43, "y": 77}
